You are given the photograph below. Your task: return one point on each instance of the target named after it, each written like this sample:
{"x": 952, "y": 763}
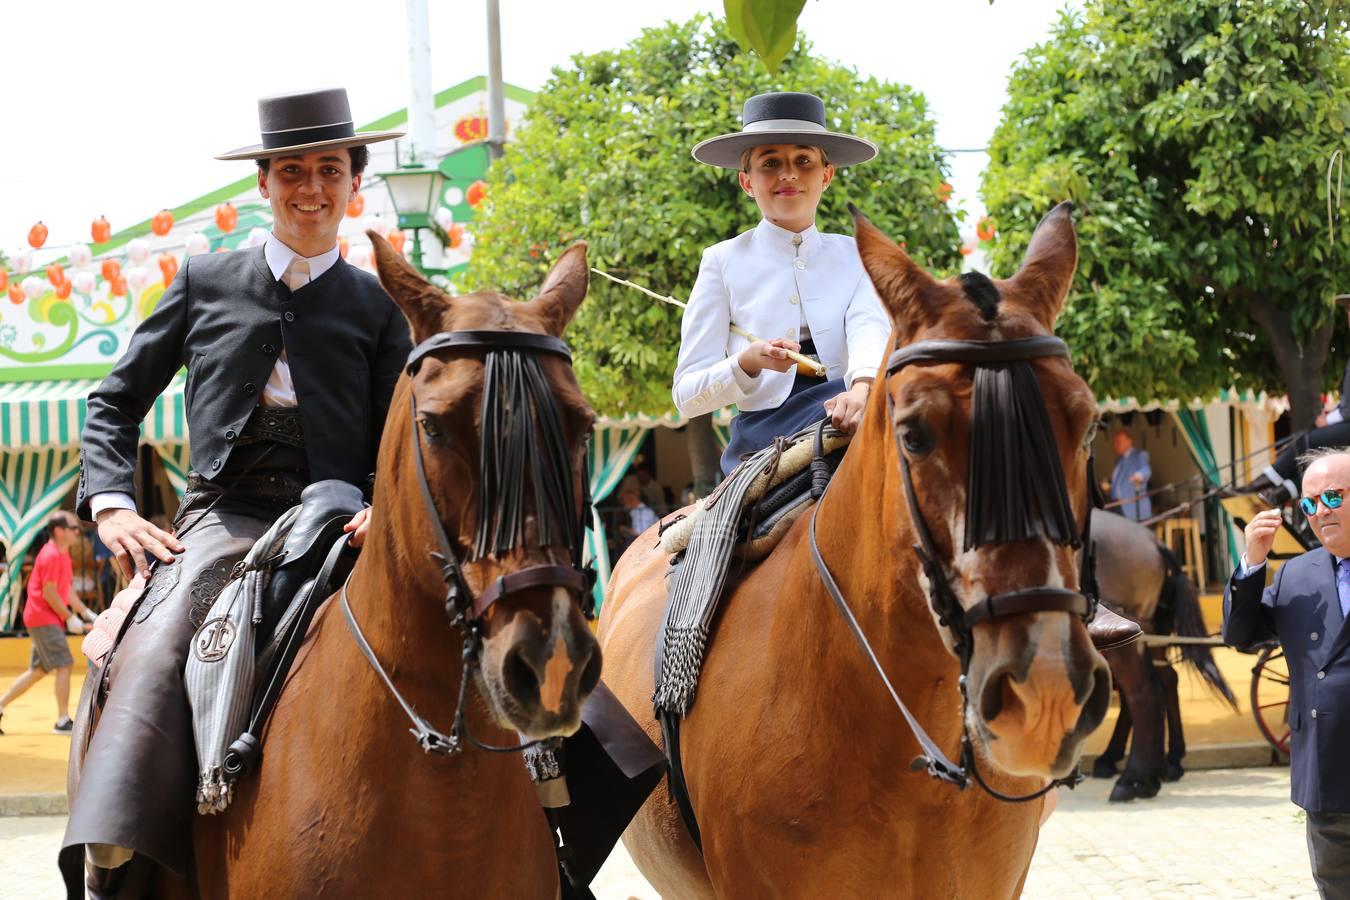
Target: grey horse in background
{"x": 1140, "y": 578}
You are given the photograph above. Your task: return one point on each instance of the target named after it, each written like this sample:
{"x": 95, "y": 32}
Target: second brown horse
{"x": 796, "y": 759}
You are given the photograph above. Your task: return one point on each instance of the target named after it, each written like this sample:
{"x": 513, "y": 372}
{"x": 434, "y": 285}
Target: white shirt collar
{"x": 777, "y": 236}
{"x": 279, "y": 258}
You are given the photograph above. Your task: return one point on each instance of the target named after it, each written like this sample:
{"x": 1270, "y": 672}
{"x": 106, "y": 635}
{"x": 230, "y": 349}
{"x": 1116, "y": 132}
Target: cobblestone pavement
{"x": 1228, "y": 833}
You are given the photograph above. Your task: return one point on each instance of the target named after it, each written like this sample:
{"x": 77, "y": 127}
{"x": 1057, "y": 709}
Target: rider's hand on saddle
{"x": 358, "y": 526}
{"x": 1320, "y": 421}
{"x": 771, "y": 355}
{"x": 130, "y": 537}
{"x": 846, "y": 409}
{"x": 1260, "y": 535}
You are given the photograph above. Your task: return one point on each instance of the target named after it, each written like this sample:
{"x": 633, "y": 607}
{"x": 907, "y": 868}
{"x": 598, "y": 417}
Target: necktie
{"x": 1343, "y": 585}
{"x": 297, "y": 274}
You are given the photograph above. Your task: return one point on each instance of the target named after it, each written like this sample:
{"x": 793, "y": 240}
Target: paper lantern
{"x": 162, "y": 223}
{"x": 37, "y": 235}
{"x": 344, "y": 247}
{"x": 56, "y": 275}
{"x": 168, "y": 267}
{"x": 226, "y": 217}
{"x": 944, "y": 192}
{"x": 23, "y": 262}
{"x": 34, "y": 287}
{"x": 84, "y": 282}
{"x": 397, "y": 240}
{"x": 454, "y": 196}
{"x": 198, "y": 243}
{"x": 984, "y": 229}
{"x": 456, "y": 233}
{"x": 967, "y": 248}
{"x": 137, "y": 278}
{"x": 117, "y": 286}
{"x": 15, "y": 294}
{"x": 4, "y": 280}
{"x": 100, "y": 230}
{"x": 81, "y": 256}
{"x": 138, "y": 251}
{"x": 63, "y": 290}
{"x": 444, "y": 218}
{"x": 356, "y": 206}
{"x": 111, "y": 269}
{"x": 476, "y": 193}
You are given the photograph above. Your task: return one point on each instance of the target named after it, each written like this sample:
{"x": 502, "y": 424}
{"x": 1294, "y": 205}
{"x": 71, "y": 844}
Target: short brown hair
{"x": 360, "y": 159}
{"x": 745, "y": 156}
{"x": 62, "y": 519}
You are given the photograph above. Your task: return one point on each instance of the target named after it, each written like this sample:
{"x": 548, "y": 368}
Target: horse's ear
{"x": 564, "y": 289}
{"x": 422, "y": 302}
{"x": 908, "y": 292}
{"x": 1042, "y": 284}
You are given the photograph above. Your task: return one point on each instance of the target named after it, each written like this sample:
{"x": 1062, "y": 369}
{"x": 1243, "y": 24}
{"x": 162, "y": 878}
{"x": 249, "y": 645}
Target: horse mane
{"x": 982, "y": 292}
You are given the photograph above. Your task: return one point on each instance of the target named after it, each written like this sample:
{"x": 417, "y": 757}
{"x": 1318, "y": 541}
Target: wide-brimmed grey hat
{"x": 304, "y": 121}
{"x": 784, "y": 117}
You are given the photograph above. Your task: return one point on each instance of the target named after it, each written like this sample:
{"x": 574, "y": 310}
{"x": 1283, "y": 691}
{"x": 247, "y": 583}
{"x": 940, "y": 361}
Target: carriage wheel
{"x": 1270, "y": 698}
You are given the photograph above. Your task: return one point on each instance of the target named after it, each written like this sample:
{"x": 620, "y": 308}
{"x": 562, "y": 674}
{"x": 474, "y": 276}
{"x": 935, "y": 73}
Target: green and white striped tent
{"x": 40, "y": 426}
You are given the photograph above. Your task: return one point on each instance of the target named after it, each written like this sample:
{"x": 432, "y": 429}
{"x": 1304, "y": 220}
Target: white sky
{"x": 117, "y": 108}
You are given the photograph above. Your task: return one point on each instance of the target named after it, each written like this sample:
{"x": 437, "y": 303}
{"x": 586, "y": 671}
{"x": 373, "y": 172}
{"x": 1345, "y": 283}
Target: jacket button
{"x": 250, "y": 389}
{"x": 289, "y": 316}
{"x": 1313, "y": 713}
{"x": 215, "y": 465}
{"x": 268, "y": 349}
{"x": 1313, "y": 636}
{"x": 229, "y": 435}
{"x": 1321, "y": 675}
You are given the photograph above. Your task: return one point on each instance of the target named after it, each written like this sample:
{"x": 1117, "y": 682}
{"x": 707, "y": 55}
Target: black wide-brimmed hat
{"x": 785, "y": 117}
{"x": 304, "y": 121}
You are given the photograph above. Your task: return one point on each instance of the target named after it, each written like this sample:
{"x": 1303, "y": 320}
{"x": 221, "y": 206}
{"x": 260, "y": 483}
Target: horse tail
{"x": 1179, "y": 613}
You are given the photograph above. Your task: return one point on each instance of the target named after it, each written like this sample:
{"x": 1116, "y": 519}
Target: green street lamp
{"x": 415, "y": 191}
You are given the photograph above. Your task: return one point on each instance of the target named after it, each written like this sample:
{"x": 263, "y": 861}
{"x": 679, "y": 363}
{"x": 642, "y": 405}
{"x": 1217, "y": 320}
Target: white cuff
{"x": 1245, "y": 570}
{"x": 1335, "y": 417}
{"x": 745, "y": 382}
{"x": 110, "y": 500}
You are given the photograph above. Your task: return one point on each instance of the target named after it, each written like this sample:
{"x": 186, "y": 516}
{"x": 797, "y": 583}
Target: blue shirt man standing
{"x": 1129, "y": 479}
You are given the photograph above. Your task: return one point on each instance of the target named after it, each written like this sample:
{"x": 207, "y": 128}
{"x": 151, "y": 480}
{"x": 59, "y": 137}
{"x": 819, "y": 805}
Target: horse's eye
{"x": 916, "y": 436}
{"x": 1091, "y": 435}
{"x": 430, "y": 428}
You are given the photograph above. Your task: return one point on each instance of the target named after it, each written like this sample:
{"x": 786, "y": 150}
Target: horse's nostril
{"x": 590, "y": 676}
{"x": 520, "y": 677}
{"x": 996, "y": 694}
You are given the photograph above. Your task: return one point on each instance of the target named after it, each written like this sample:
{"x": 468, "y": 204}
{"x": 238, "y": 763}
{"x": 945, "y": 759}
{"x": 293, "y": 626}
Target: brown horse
{"x": 345, "y": 802}
{"x": 796, "y": 759}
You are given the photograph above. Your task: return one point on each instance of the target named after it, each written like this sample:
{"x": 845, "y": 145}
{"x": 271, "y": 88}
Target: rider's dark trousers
{"x": 1286, "y": 463}
{"x": 1329, "y": 849}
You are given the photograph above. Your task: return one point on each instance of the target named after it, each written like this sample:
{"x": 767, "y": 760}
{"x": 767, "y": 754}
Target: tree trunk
{"x": 1301, "y": 363}
{"x": 705, "y": 456}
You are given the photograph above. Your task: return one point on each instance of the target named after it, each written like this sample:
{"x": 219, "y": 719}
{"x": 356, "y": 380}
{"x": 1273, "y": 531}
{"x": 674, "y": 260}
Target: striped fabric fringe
{"x": 696, "y": 585}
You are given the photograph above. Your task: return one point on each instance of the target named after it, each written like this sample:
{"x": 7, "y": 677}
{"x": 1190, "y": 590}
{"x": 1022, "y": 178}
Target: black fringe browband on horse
{"x": 1016, "y": 488}
{"x": 522, "y": 445}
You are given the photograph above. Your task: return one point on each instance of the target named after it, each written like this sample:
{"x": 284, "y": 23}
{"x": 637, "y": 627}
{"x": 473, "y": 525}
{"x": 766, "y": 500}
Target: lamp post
{"x": 415, "y": 191}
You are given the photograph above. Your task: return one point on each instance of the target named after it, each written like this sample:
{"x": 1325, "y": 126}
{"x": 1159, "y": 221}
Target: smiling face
{"x": 787, "y": 181}
{"x": 309, "y": 195}
{"x": 1330, "y": 525}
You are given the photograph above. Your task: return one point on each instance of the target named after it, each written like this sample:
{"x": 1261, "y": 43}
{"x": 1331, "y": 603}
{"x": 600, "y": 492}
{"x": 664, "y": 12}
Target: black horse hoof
{"x": 1149, "y": 788}
{"x": 1104, "y": 769}
{"x": 1174, "y": 772}
{"x": 1124, "y": 792}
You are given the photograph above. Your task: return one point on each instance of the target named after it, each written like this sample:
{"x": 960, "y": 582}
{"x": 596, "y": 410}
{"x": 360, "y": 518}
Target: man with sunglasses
{"x": 1305, "y": 609}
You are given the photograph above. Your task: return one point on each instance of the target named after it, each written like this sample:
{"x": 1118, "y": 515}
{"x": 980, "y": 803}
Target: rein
{"x": 517, "y": 403}
{"x": 1009, "y": 404}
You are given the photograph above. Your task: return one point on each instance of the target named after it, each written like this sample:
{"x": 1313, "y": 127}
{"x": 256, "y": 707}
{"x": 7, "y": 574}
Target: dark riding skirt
{"x": 753, "y": 430}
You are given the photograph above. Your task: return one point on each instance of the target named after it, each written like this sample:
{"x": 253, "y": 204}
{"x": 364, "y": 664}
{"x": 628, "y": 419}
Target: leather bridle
{"x": 958, "y": 621}
{"x": 466, "y": 610}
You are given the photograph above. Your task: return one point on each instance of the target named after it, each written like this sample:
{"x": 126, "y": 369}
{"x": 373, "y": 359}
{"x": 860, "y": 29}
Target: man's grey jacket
{"x": 225, "y": 318}
{"x": 1302, "y": 610}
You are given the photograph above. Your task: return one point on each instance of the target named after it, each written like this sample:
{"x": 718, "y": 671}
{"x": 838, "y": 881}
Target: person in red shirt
{"x": 46, "y": 614}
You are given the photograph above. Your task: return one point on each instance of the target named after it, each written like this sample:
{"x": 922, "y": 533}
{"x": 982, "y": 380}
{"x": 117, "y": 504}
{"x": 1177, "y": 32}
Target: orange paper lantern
{"x": 100, "y": 231}
{"x": 4, "y": 279}
{"x": 15, "y": 294}
{"x": 343, "y": 247}
{"x": 112, "y": 270}
{"x": 356, "y": 206}
{"x": 117, "y": 286}
{"x": 226, "y": 217}
{"x": 944, "y": 191}
{"x": 396, "y": 240}
{"x": 37, "y": 235}
{"x": 63, "y": 290}
{"x": 56, "y": 275}
{"x": 456, "y": 235}
{"x": 168, "y": 267}
{"x": 476, "y": 193}
{"x": 162, "y": 223}
{"x": 984, "y": 229}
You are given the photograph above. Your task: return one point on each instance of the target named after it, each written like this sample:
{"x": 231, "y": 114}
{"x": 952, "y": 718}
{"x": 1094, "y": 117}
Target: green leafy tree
{"x": 1195, "y": 135}
{"x": 604, "y": 155}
